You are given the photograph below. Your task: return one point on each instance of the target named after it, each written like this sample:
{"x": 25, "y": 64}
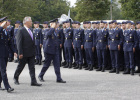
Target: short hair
{"x": 26, "y": 19}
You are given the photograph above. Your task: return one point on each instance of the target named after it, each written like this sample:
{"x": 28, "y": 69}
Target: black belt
{"x": 78, "y": 39}
{"x": 68, "y": 38}
{"x": 102, "y": 41}
{"x": 88, "y": 41}
{"x": 114, "y": 39}
{"x": 36, "y": 38}
{"x": 129, "y": 41}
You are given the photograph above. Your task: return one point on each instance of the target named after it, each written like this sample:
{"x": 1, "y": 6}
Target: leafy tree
{"x": 130, "y": 9}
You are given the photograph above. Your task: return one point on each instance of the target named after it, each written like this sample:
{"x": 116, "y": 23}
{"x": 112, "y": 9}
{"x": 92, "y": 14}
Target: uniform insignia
{"x": 89, "y": 36}
{"x": 37, "y": 34}
{"x": 117, "y": 29}
{"x": 105, "y": 29}
{"x": 116, "y": 35}
{"x": 110, "y": 33}
{"x": 69, "y": 34}
{"x": 105, "y": 35}
{"x": 130, "y": 37}
{"x": 52, "y": 37}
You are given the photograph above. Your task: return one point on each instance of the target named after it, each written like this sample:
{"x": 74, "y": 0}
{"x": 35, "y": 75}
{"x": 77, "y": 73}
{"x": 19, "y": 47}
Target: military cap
{"x": 9, "y": 20}
{"x": 3, "y": 19}
{"x": 84, "y": 22}
{"x": 132, "y": 23}
{"x": 123, "y": 22}
{"x": 97, "y": 22}
{"x": 93, "y": 22}
{"x": 67, "y": 21}
{"x": 138, "y": 22}
{"x": 110, "y": 22}
{"x": 46, "y": 22}
{"x": 114, "y": 21}
{"x": 119, "y": 23}
{"x": 17, "y": 22}
{"x": 128, "y": 22}
{"x": 36, "y": 22}
{"x": 54, "y": 20}
{"x": 88, "y": 22}
{"x": 103, "y": 22}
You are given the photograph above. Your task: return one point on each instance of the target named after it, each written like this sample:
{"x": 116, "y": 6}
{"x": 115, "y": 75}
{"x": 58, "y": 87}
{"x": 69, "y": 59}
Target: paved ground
{"x": 81, "y": 85}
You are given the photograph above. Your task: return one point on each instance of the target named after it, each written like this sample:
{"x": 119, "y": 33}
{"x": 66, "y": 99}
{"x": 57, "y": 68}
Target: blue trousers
{"x": 56, "y": 63}
{"x": 89, "y": 56}
{"x": 3, "y": 74}
{"x": 102, "y": 57}
{"x": 78, "y": 55}
{"x": 38, "y": 52}
{"x": 68, "y": 54}
{"x": 129, "y": 59}
{"x": 114, "y": 58}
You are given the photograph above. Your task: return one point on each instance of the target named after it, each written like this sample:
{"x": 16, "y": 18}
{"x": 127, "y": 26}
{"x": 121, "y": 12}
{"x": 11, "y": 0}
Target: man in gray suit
{"x": 26, "y": 51}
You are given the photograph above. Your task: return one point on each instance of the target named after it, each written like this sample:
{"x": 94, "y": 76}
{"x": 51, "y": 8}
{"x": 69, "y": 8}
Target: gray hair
{"x": 26, "y": 19}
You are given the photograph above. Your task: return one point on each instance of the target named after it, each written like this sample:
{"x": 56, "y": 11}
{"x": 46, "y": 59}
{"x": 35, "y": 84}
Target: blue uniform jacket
{"x": 78, "y": 37}
{"x": 38, "y": 36}
{"x": 130, "y": 40}
{"x": 115, "y": 38}
{"x": 102, "y": 39}
{"x": 89, "y": 38}
{"x": 51, "y": 45}
{"x": 5, "y": 44}
{"x": 68, "y": 33}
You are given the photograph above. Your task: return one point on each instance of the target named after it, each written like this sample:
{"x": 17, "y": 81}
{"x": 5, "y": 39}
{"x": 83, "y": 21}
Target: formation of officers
{"x": 98, "y": 45}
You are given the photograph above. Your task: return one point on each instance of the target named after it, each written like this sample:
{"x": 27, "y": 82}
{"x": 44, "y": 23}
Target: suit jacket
{"x": 68, "y": 32}
{"x": 25, "y": 44}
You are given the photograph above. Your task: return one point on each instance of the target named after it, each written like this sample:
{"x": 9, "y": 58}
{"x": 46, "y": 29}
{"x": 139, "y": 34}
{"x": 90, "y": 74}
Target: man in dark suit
{"x": 26, "y": 51}
{"x": 51, "y": 52}
{"x": 5, "y": 44}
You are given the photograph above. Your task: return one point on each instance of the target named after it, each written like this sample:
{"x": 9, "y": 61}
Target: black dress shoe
{"x": 88, "y": 67}
{"x": 127, "y": 71}
{"x": 39, "y": 62}
{"x": 35, "y": 84}
{"x": 64, "y": 63}
{"x": 132, "y": 71}
{"x": 113, "y": 70}
{"x": 10, "y": 89}
{"x": 76, "y": 66}
{"x": 16, "y": 81}
{"x": 70, "y": 65}
{"x": 80, "y": 67}
{"x": 103, "y": 69}
{"x": 66, "y": 66}
{"x": 117, "y": 71}
{"x": 41, "y": 79}
{"x": 11, "y": 59}
{"x": 60, "y": 81}
{"x": 91, "y": 68}
{"x": 99, "y": 69}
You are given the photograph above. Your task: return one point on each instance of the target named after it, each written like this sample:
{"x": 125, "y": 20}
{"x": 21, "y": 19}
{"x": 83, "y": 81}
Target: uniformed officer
{"x": 119, "y": 25}
{"x": 121, "y": 53}
{"x": 115, "y": 40}
{"x": 68, "y": 34}
{"x": 38, "y": 42}
{"x": 89, "y": 45}
{"x": 101, "y": 46}
{"x": 59, "y": 38}
{"x": 84, "y": 54}
{"x": 129, "y": 47}
{"x": 10, "y": 32}
{"x": 5, "y": 43}
{"x": 51, "y": 53}
{"x": 45, "y": 30}
{"x": 78, "y": 42}
{"x": 138, "y": 49}
{"x": 63, "y": 49}
{"x": 17, "y": 25}
{"x": 133, "y": 25}
{"x": 93, "y": 25}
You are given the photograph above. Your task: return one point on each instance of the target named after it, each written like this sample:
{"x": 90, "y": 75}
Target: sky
{"x": 72, "y": 2}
